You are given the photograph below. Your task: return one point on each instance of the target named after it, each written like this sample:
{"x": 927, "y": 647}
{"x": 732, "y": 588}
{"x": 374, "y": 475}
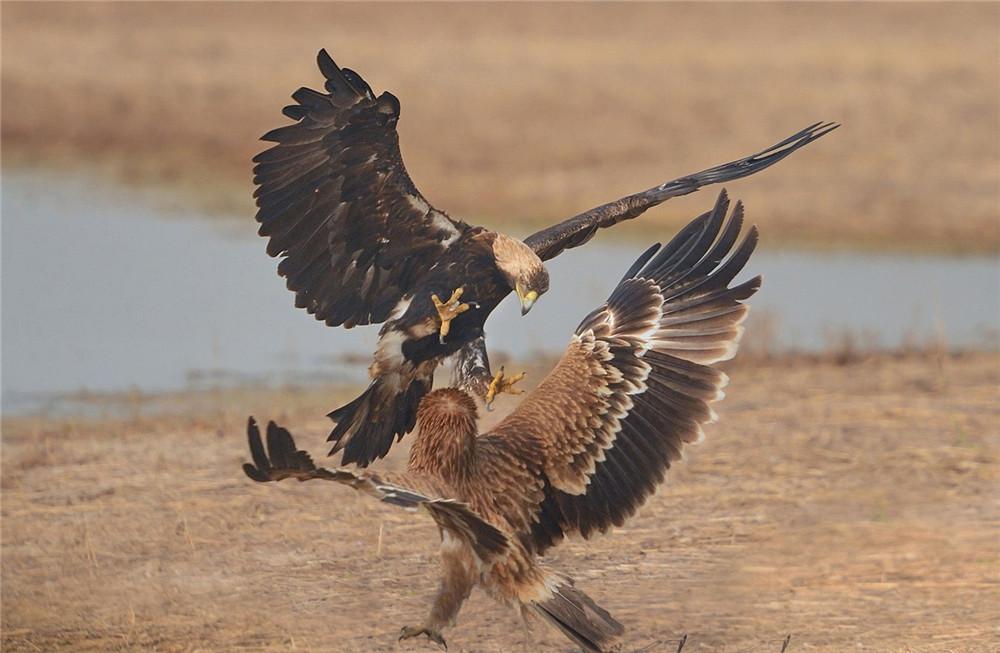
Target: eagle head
{"x": 522, "y": 269}
{"x": 446, "y": 431}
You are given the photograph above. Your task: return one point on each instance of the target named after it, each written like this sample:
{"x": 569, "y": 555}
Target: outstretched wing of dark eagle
{"x": 552, "y": 241}
{"x": 337, "y": 204}
{"x": 354, "y": 232}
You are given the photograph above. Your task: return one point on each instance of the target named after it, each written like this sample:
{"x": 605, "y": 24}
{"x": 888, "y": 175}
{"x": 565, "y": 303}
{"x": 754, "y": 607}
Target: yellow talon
{"x": 449, "y": 310}
{"x": 500, "y": 384}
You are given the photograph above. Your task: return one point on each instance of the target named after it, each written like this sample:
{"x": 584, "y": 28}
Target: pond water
{"x": 103, "y": 292}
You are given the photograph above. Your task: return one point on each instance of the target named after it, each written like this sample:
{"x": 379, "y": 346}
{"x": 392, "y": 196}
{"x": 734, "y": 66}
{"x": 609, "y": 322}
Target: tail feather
{"x": 367, "y": 426}
{"x": 577, "y": 616}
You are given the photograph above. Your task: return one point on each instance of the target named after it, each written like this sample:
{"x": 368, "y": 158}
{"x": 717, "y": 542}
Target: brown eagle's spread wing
{"x": 549, "y": 243}
{"x": 598, "y": 434}
{"x": 283, "y": 460}
{"x": 336, "y": 202}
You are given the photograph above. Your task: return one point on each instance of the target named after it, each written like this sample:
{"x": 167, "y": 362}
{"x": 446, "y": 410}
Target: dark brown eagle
{"x": 583, "y": 451}
{"x": 360, "y": 245}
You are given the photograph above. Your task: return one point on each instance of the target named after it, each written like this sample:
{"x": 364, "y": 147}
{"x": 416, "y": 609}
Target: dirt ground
{"x": 518, "y": 113}
{"x": 853, "y": 507}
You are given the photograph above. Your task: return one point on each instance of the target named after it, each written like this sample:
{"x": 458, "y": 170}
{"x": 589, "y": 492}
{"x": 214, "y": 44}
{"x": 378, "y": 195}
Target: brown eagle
{"x": 360, "y": 245}
{"x": 583, "y": 451}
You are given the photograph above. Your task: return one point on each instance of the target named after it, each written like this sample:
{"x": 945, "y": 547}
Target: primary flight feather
{"x": 360, "y": 245}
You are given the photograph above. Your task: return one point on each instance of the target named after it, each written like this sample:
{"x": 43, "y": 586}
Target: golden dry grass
{"x": 853, "y": 507}
{"x": 535, "y": 112}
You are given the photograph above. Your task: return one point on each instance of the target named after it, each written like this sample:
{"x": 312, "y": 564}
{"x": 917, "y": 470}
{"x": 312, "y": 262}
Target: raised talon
{"x": 449, "y": 310}
{"x": 413, "y": 631}
{"x": 500, "y": 384}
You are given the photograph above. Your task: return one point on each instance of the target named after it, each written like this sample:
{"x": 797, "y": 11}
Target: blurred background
{"x": 848, "y": 495}
{"x": 129, "y": 254}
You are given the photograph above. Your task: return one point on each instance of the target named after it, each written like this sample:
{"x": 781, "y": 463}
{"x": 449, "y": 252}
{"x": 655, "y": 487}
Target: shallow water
{"x": 103, "y": 292}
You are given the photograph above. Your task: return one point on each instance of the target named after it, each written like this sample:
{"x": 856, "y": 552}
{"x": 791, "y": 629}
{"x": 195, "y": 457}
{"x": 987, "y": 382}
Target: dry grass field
{"x": 853, "y": 507}
{"x": 531, "y": 113}
{"x": 850, "y": 500}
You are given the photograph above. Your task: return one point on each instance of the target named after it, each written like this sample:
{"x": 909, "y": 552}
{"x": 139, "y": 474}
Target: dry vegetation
{"x": 848, "y": 500}
{"x": 853, "y": 507}
{"x": 532, "y": 113}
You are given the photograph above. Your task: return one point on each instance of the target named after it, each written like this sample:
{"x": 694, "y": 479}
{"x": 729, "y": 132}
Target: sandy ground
{"x": 531, "y": 113}
{"x": 853, "y": 507}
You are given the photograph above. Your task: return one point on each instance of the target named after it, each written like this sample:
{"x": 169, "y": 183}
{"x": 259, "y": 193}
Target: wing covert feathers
{"x": 634, "y": 386}
{"x": 283, "y": 460}
{"x": 336, "y": 203}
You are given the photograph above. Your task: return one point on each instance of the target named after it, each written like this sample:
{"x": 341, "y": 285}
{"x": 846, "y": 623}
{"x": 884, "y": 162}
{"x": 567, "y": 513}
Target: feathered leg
{"x": 458, "y": 579}
{"x": 471, "y": 368}
{"x": 471, "y": 373}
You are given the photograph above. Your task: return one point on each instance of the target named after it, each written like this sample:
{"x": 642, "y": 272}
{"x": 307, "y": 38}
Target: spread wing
{"x": 283, "y": 459}
{"x": 577, "y": 230}
{"x": 596, "y": 437}
{"x": 338, "y": 206}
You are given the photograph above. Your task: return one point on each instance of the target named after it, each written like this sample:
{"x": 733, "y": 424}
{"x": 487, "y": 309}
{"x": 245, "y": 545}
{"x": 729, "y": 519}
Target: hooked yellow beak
{"x": 527, "y": 300}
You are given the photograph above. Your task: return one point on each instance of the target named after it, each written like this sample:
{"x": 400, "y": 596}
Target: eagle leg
{"x": 500, "y": 384}
{"x": 471, "y": 369}
{"x": 460, "y": 575}
{"x": 449, "y": 310}
{"x": 414, "y": 631}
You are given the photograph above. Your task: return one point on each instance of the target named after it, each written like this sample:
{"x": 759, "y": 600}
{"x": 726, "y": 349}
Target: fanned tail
{"x": 367, "y": 426}
{"x": 577, "y": 616}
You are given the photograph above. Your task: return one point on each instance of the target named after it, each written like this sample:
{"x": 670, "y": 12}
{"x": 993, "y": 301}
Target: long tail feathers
{"x": 367, "y": 426}
{"x": 577, "y": 616}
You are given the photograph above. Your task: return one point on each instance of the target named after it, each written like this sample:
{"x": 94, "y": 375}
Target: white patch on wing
{"x": 440, "y": 222}
{"x": 419, "y": 204}
{"x": 424, "y": 328}
{"x": 400, "y": 307}
{"x": 389, "y": 355}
